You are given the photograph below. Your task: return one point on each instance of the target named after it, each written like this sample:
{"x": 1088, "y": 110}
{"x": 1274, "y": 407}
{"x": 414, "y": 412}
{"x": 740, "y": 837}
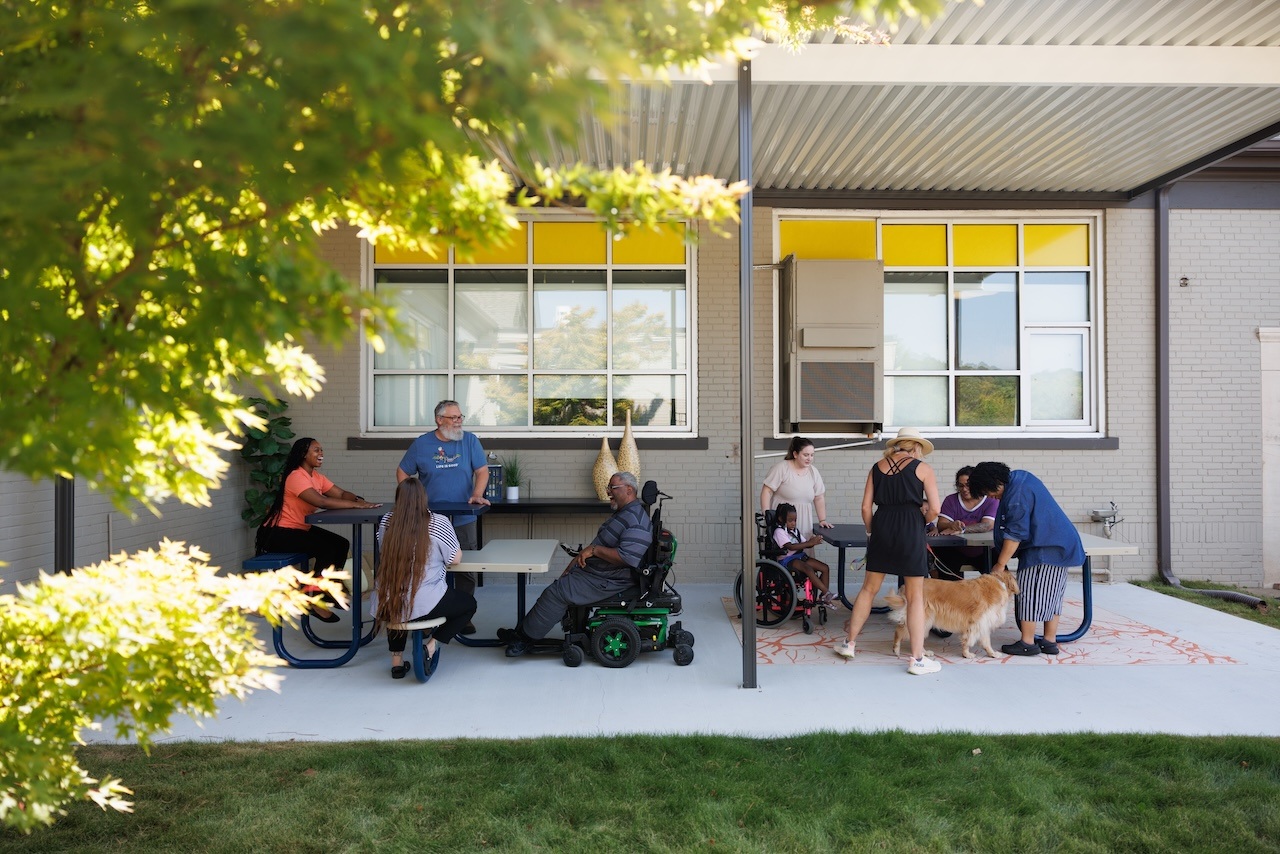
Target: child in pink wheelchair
{"x": 794, "y": 556}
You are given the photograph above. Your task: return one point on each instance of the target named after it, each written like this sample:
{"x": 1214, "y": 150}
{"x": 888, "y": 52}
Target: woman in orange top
{"x": 303, "y": 490}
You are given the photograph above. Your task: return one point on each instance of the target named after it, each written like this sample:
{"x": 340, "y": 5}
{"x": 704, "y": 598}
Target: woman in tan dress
{"x": 796, "y": 481}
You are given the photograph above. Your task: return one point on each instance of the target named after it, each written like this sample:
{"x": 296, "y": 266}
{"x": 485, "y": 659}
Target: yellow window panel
{"x": 827, "y": 238}
{"x": 1056, "y": 245}
{"x": 643, "y": 246}
{"x": 387, "y": 255}
{"x": 984, "y": 245}
{"x": 569, "y": 243}
{"x": 914, "y": 245}
{"x": 515, "y": 252}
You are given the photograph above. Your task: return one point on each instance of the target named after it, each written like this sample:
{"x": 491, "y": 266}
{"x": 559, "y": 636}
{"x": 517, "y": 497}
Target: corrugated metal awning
{"x": 1015, "y": 96}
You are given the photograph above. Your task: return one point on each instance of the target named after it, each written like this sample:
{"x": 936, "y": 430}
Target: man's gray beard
{"x": 451, "y": 434}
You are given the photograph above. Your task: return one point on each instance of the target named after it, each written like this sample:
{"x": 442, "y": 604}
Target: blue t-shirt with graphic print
{"x": 447, "y": 469}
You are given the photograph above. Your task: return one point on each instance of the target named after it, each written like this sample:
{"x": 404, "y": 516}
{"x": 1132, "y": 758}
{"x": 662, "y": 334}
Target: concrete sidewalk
{"x": 478, "y": 693}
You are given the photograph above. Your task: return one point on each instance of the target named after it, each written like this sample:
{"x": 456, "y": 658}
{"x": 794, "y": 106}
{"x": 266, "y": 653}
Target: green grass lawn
{"x": 1268, "y": 615}
{"x": 887, "y": 792}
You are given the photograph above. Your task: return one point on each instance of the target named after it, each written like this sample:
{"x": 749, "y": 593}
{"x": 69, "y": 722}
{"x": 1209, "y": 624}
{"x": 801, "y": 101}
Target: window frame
{"x": 1092, "y": 425}
{"x": 450, "y": 265}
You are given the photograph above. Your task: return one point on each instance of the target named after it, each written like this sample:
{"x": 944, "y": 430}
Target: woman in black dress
{"x": 904, "y": 494}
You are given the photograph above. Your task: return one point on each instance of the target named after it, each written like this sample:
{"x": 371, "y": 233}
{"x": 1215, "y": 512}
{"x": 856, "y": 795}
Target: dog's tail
{"x": 898, "y": 608}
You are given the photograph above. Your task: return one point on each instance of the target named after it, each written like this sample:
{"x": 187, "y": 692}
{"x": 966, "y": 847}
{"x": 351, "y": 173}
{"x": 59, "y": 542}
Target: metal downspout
{"x": 64, "y": 524}
{"x": 745, "y": 276}
{"x": 1164, "y": 486}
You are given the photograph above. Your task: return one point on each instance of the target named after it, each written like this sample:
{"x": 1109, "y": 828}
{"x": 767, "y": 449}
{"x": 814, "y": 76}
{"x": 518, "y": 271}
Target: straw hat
{"x": 910, "y": 434}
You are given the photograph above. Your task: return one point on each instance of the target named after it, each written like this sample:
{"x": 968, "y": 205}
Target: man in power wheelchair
{"x": 612, "y": 598}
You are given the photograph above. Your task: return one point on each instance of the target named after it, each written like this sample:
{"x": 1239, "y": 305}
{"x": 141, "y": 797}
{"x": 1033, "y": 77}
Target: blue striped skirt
{"x": 1041, "y": 589}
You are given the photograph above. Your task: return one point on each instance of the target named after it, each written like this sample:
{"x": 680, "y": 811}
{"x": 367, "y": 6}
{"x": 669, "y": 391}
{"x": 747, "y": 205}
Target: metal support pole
{"x": 745, "y": 276}
{"x": 64, "y": 524}
{"x": 1164, "y": 516}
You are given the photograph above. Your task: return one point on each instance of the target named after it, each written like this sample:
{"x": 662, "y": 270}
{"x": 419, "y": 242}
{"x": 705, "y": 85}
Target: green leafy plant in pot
{"x": 512, "y": 477}
{"x": 265, "y": 450}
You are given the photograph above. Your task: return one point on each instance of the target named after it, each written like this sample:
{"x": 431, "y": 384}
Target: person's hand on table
{"x": 366, "y": 505}
{"x": 479, "y": 499}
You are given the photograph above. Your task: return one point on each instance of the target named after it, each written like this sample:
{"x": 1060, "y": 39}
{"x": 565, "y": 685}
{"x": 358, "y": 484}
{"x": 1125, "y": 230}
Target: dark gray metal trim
{"x": 746, "y": 273}
{"x": 1207, "y": 160}
{"x": 695, "y": 443}
{"x": 1164, "y": 516}
{"x": 1093, "y": 443}
{"x": 64, "y": 524}
{"x": 940, "y": 200}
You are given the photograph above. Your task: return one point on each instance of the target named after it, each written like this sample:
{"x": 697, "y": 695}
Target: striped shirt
{"x": 444, "y": 545}
{"x": 629, "y": 531}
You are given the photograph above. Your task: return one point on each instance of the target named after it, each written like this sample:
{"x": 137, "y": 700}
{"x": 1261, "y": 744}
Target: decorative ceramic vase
{"x": 606, "y": 467}
{"x": 628, "y": 453}
{"x": 513, "y": 493}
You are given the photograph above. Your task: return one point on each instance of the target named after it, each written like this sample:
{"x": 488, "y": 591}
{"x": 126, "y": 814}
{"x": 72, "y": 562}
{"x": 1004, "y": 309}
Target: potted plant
{"x": 511, "y": 477}
{"x": 265, "y": 450}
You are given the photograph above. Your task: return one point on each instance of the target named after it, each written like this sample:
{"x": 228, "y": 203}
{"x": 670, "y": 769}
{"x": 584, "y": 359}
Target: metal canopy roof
{"x": 1104, "y": 97}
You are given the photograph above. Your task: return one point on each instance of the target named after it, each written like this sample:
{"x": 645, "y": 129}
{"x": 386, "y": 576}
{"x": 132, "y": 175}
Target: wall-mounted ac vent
{"x": 832, "y": 335}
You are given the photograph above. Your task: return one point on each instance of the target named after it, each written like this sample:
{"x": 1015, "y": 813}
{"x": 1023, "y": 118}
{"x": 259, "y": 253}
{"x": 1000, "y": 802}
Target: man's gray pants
{"x": 579, "y": 587}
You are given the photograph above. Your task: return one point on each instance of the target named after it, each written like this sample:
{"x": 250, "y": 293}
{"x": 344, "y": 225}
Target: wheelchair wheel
{"x": 776, "y": 597}
{"x": 680, "y": 637}
{"x": 683, "y": 654}
{"x": 572, "y": 655}
{"x": 808, "y": 626}
{"x": 616, "y": 642}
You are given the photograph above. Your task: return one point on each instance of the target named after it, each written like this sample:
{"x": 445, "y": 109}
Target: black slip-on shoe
{"x": 1047, "y": 647}
{"x": 398, "y": 671}
{"x": 517, "y": 648}
{"x": 1020, "y": 648}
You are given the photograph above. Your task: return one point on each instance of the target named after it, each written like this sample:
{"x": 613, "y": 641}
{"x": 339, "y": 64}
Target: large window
{"x": 571, "y": 345}
{"x": 990, "y": 327}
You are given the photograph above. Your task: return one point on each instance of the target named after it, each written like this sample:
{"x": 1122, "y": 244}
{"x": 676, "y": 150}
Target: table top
{"x": 1094, "y": 546}
{"x": 855, "y": 536}
{"x": 364, "y": 515}
{"x": 510, "y": 556}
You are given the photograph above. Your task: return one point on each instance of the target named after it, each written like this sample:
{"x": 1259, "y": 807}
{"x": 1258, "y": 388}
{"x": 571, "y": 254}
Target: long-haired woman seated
{"x": 416, "y": 547}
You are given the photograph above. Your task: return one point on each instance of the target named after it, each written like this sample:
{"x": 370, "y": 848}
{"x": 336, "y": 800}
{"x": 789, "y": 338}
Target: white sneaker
{"x": 921, "y": 666}
{"x": 845, "y": 650}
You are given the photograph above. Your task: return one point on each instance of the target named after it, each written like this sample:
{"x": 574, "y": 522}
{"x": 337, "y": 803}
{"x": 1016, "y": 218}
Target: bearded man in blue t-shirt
{"x": 452, "y": 466}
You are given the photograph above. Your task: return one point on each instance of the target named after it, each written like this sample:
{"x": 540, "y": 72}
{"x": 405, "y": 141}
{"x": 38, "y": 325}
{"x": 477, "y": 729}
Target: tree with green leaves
{"x": 166, "y": 170}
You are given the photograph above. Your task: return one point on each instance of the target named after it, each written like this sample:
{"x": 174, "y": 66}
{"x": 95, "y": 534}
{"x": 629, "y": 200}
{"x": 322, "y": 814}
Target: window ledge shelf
{"x": 976, "y": 443}
{"x": 565, "y": 443}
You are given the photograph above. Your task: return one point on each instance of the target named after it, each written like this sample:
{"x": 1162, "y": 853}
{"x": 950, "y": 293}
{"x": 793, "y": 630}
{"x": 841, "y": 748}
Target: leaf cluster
{"x": 166, "y": 169}
{"x": 135, "y": 639}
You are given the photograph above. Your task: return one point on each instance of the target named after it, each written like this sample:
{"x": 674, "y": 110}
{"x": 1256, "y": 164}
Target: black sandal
{"x": 1020, "y": 647}
{"x": 401, "y": 670}
{"x": 1047, "y": 647}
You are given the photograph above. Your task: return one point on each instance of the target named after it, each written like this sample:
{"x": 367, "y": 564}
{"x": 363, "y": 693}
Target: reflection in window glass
{"x": 421, "y": 302}
{"x": 654, "y": 401}
{"x": 986, "y": 401}
{"x": 494, "y": 400}
{"x": 1055, "y": 364}
{"x": 649, "y": 320}
{"x": 569, "y": 317}
{"x": 569, "y": 401}
{"x": 491, "y": 320}
{"x": 916, "y": 401}
{"x": 408, "y": 400}
{"x": 986, "y": 321}
{"x": 1055, "y": 297}
{"x": 915, "y": 322}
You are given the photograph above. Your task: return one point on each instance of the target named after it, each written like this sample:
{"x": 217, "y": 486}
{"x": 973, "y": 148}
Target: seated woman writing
{"x": 302, "y": 491}
{"x": 416, "y": 546}
{"x": 961, "y": 513}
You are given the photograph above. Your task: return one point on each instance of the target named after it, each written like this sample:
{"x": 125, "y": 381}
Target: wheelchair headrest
{"x": 649, "y": 492}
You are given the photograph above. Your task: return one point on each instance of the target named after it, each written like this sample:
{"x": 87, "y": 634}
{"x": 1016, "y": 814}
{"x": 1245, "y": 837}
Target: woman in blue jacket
{"x": 1032, "y": 527}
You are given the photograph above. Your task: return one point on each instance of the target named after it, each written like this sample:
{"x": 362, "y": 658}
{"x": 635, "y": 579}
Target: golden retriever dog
{"x": 972, "y": 607}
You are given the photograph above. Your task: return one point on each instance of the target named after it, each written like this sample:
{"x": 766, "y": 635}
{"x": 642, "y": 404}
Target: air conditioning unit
{"x": 831, "y": 330}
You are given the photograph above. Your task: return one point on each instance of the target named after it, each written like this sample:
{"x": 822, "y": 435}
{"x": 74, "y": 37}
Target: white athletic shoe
{"x": 923, "y": 665}
{"x": 845, "y": 650}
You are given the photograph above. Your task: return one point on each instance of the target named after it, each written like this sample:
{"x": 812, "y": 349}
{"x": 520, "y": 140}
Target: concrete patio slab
{"x": 478, "y": 693}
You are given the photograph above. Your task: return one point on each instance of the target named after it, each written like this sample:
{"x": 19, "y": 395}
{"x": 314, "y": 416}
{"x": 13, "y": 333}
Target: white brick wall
{"x": 1231, "y": 259}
